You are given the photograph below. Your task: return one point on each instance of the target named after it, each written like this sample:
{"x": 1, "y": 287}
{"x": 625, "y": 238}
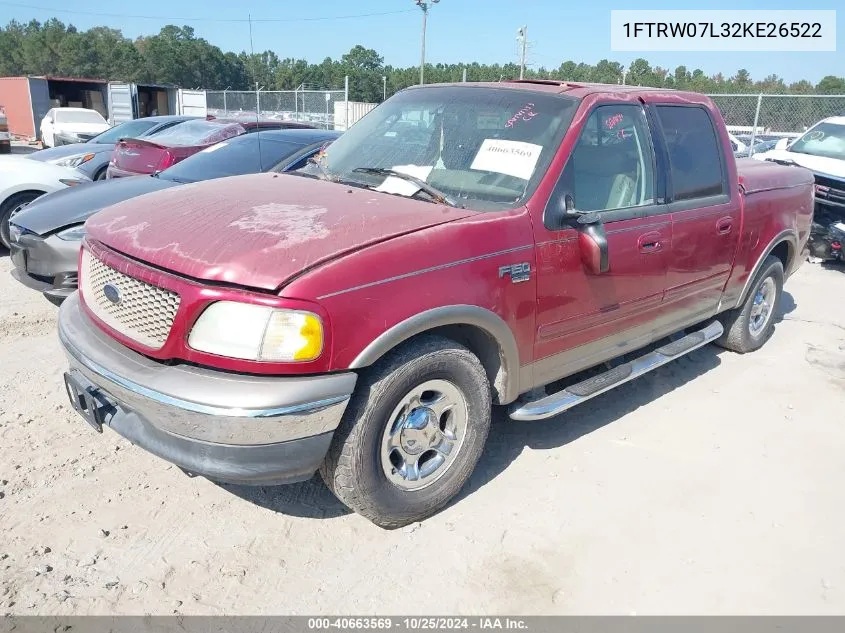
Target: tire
{"x": 745, "y": 330}
{"x": 366, "y": 467}
{"x": 101, "y": 175}
{"x": 12, "y": 205}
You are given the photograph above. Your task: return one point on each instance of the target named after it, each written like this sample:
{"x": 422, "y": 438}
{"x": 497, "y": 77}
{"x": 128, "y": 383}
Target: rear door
{"x": 706, "y": 212}
{"x": 120, "y": 103}
{"x": 585, "y": 317}
{"x": 192, "y": 103}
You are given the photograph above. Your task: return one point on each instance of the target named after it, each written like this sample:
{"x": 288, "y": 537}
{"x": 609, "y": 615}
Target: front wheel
{"x": 412, "y": 434}
{"x": 9, "y": 209}
{"x": 748, "y": 327}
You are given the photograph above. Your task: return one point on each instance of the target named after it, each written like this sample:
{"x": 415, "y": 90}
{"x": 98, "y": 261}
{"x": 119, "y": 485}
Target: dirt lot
{"x": 714, "y": 485}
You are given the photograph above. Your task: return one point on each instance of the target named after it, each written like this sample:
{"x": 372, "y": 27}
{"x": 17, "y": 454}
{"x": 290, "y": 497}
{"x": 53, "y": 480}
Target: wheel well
{"x": 783, "y": 251}
{"x": 20, "y": 193}
{"x": 484, "y": 346}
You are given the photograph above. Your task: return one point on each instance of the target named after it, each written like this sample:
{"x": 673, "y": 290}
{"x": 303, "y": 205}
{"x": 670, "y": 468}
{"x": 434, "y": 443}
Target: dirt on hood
{"x": 258, "y": 230}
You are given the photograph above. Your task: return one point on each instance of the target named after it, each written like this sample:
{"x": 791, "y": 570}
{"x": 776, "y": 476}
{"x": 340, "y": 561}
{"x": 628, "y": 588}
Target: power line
{"x": 183, "y": 19}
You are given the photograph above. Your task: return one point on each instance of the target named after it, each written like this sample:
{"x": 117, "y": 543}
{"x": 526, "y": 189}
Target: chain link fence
{"x": 768, "y": 116}
{"x": 320, "y": 108}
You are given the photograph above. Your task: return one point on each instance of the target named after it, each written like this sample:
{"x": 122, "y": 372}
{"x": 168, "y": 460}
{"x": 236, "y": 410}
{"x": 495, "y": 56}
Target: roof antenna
{"x": 257, "y": 98}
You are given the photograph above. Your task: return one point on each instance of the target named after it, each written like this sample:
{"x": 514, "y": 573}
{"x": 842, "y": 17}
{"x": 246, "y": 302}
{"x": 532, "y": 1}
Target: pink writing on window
{"x": 612, "y": 121}
{"x": 526, "y": 113}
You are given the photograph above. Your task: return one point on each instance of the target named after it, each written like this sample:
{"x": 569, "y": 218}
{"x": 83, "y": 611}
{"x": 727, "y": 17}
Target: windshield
{"x": 196, "y": 133}
{"x": 237, "y": 156}
{"x": 484, "y": 147}
{"x": 130, "y": 129}
{"x": 825, "y": 139}
{"x": 79, "y": 116}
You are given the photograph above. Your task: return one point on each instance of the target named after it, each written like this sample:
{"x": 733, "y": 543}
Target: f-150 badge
{"x": 517, "y": 272}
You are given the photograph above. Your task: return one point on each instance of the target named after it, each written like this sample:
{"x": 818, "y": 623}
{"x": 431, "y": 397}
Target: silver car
{"x": 92, "y": 157}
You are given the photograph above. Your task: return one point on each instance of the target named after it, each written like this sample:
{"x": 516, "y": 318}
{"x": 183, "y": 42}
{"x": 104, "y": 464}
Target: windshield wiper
{"x": 438, "y": 195}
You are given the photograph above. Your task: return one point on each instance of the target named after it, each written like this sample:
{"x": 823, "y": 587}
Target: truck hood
{"x": 258, "y": 230}
{"x": 819, "y": 164}
{"x": 76, "y": 204}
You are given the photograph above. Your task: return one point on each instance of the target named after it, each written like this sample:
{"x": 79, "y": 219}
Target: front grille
{"x": 832, "y": 190}
{"x": 143, "y": 312}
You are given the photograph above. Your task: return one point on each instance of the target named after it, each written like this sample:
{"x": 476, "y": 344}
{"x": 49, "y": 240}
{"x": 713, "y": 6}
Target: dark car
{"x": 157, "y": 152}
{"x": 759, "y": 146}
{"x": 92, "y": 157}
{"x": 46, "y": 236}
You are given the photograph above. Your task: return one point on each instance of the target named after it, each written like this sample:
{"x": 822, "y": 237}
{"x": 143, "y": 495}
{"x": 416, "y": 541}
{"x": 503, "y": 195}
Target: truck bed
{"x": 755, "y": 176}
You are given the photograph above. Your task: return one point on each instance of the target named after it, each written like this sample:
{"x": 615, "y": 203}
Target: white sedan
{"x": 66, "y": 126}
{"x": 23, "y": 180}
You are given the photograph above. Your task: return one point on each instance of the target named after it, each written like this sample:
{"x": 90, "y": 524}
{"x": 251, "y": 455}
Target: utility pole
{"x": 425, "y": 6}
{"x": 523, "y": 37}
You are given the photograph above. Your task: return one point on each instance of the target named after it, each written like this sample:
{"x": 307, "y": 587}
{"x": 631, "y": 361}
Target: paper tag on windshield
{"x": 840, "y": 226}
{"x": 513, "y": 158}
{"x": 392, "y": 184}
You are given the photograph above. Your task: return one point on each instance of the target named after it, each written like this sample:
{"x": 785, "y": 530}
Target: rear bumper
{"x": 114, "y": 172}
{"x": 254, "y": 430}
{"x": 48, "y": 265}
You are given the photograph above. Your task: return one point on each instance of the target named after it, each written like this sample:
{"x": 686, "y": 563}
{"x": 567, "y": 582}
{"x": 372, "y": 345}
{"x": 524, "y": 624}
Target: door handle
{"x": 650, "y": 243}
{"x": 724, "y": 225}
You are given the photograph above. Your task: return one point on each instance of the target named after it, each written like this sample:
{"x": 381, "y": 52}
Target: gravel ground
{"x": 713, "y": 485}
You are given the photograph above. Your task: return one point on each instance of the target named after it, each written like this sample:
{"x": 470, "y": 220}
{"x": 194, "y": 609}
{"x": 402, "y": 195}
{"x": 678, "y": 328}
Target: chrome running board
{"x": 572, "y": 395}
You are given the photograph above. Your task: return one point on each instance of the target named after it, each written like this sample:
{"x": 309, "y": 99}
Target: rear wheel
{"x": 10, "y": 208}
{"x": 412, "y": 433}
{"x": 748, "y": 327}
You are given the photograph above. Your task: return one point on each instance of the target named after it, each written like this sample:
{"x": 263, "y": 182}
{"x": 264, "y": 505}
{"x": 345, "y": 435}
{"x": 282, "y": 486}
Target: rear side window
{"x": 695, "y": 157}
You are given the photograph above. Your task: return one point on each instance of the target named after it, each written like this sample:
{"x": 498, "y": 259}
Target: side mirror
{"x": 592, "y": 243}
{"x": 782, "y": 143}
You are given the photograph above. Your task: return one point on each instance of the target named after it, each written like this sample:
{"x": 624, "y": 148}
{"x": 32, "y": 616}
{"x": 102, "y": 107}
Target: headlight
{"x": 253, "y": 332}
{"x": 72, "y": 182}
{"x": 73, "y": 161}
{"x": 73, "y": 234}
{"x": 15, "y": 232}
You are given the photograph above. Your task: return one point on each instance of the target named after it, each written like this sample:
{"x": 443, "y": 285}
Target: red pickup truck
{"x": 528, "y": 244}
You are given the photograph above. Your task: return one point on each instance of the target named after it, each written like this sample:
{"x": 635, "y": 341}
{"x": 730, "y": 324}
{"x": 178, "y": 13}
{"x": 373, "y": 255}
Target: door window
{"x": 695, "y": 160}
{"x": 612, "y": 165}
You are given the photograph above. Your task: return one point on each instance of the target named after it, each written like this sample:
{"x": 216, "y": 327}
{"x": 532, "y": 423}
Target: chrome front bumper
{"x": 228, "y": 427}
{"x": 46, "y": 264}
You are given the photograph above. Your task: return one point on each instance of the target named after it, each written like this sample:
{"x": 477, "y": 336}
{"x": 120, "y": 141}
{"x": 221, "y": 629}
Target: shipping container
{"x": 347, "y": 113}
{"x": 14, "y": 97}
{"x": 28, "y": 99}
{"x": 135, "y": 101}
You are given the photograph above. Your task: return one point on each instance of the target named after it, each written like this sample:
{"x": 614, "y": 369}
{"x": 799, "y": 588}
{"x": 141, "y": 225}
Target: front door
{"x": 705, "y": 211}
{"x": 585, "y": 316}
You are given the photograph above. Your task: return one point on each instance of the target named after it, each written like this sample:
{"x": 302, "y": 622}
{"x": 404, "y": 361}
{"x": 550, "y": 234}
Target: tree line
{"x": 177, "y": 56}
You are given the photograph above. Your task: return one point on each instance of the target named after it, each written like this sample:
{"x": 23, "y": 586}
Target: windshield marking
{"x": 526, "y": 113}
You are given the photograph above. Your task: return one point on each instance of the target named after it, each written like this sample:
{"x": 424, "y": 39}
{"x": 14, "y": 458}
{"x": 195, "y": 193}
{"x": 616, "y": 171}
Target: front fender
{"x": 506, "y": 380}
